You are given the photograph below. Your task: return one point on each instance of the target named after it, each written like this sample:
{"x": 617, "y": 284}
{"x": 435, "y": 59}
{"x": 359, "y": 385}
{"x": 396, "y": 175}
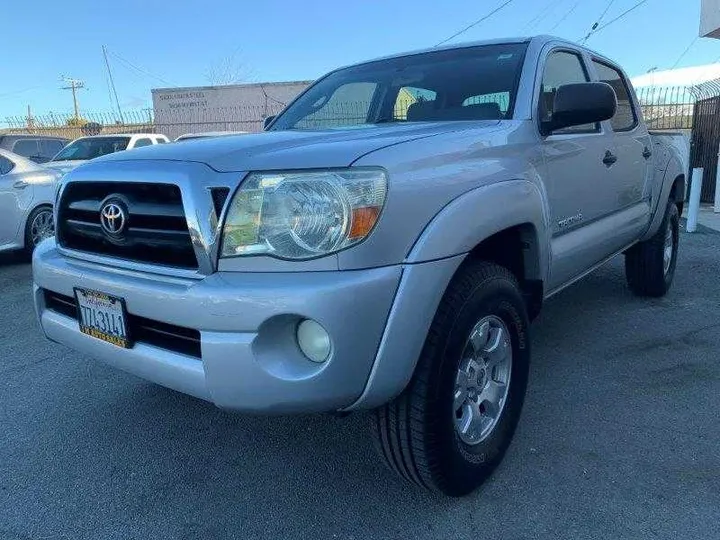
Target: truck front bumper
{"x": 248, "y": 358}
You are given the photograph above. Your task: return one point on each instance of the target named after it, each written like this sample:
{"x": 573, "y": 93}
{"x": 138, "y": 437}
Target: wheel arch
{"x": 508, "y": 233}
{"x": 505, "y": 223}
{"x": 677, "y": 192}
{"x": 28, "y": 220}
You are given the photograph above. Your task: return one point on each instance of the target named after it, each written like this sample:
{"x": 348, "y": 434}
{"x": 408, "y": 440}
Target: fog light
{"x": 313, "y": 340}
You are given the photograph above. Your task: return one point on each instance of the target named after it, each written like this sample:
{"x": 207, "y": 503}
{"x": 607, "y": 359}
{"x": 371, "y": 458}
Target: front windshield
{"x": 92, "y": 148}
{"x": 473, "y": 83}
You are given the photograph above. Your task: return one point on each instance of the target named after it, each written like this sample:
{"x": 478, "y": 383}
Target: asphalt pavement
{"x": 619, "y": 438}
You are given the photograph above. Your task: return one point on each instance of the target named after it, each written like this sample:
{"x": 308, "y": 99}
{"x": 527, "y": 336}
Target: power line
{"x": 532, "y": 23}
{"x": 597, "y": 23}
{"x": 564, "y": 17}
{"x": 17, "y": 92}
{"x": 112, "y": 82}
{"x": 596, "y": 30}
{"x": 607, "y": 8}
{"x": 138, "y": 69}
{"x": 687, "y": 49}
{"x": 482, "y": 19}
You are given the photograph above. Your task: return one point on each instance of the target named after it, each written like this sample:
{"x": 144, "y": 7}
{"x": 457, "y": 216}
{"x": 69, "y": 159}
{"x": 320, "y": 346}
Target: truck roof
{"x": 538, "y": 40}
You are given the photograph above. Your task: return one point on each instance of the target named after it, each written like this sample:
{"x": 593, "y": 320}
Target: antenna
{"x": 112, "y": 83}
{"x": 74, "y": 85}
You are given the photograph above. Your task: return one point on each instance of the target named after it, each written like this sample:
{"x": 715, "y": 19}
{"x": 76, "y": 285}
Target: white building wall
{"x": 240, "y": 107}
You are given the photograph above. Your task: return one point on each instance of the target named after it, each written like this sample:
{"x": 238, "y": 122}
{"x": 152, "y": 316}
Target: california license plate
{"x": 103, "y": 317}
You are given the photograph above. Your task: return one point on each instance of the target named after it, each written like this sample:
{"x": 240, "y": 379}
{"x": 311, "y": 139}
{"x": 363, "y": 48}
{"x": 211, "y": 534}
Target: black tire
{"x": 29, "y": 241}
{"x": 645, "y": 263}
{"x": 415, "y": 433}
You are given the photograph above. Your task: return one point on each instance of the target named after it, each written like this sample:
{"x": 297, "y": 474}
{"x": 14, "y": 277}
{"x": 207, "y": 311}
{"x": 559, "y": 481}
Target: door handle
{"x": 20, "y": 184}
{"x": 609, "y": 158}
{"x": 647, "y": 154}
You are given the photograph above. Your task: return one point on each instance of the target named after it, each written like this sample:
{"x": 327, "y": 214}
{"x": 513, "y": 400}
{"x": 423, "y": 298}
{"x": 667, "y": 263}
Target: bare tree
{"x": 230, "y": 69}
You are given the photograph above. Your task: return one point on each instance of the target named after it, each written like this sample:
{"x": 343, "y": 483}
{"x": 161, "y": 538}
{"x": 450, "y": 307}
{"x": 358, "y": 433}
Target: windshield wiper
{"x": 388, "y": 120}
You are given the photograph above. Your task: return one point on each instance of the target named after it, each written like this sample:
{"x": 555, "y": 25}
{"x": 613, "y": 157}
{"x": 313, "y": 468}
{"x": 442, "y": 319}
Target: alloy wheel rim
{"x": 483, "y": 380}
{"x": 42, "y": 227}
{"x": 668, "y": 249}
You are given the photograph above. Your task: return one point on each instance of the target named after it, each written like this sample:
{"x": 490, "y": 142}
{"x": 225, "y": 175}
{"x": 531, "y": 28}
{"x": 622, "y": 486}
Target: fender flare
{"x": 673, "y": 171}
{"x": 482, "y": 212}
{"x": 433, "y": 260}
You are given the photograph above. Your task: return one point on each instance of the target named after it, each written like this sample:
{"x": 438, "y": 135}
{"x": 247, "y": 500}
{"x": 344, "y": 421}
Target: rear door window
{"x": 625, "y": 118}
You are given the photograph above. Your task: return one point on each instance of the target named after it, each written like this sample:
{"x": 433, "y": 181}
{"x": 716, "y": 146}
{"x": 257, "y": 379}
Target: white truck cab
{"x": 86, "y": 148}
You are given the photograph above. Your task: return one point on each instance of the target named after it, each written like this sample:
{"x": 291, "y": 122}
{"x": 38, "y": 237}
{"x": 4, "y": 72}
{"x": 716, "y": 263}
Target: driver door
{"x": 579, "y": 177}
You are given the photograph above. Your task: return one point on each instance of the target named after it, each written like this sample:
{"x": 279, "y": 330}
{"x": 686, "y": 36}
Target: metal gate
{"x": 705, "y": 142}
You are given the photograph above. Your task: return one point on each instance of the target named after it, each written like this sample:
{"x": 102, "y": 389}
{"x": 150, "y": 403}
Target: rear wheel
{"x": 40, "y": 225}
{"x": 650, "y": 265}
{"x": 452, "y": 425}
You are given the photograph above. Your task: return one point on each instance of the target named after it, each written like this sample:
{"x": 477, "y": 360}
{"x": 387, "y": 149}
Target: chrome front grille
{"x": 153, "y": 228}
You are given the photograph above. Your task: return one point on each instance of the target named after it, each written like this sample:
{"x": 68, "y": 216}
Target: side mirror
{"x": 581, "y": 103}
{"x": 268, "y": 120}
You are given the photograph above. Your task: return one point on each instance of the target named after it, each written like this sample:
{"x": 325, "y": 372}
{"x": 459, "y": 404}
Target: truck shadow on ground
{"x": 12, "y": 258}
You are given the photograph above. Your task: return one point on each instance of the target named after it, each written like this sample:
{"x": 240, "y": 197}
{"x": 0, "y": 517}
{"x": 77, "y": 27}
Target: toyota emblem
{"x": 113, "y": 218}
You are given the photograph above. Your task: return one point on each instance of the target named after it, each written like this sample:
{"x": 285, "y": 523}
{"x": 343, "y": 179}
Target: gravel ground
{"x": 620, "y": 437}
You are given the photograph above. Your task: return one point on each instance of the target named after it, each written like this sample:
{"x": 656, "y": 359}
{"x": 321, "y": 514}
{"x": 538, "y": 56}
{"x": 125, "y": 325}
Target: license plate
{"x": 103, "y": 317}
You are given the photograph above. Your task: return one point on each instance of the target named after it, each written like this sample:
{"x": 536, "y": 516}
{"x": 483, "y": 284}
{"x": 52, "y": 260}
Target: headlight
{"x": 301, "y": 215}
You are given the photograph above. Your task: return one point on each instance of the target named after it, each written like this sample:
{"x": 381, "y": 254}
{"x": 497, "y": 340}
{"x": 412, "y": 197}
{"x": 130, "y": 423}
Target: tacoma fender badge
{"x": 572, "y": 220}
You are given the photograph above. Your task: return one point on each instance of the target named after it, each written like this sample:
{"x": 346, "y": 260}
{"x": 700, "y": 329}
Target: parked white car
{"x": 86, "y": 148}
{"x": 27, "y": 191}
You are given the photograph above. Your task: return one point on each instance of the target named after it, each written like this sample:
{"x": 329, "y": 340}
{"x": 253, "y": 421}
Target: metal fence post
{"x": 694, "y": 206}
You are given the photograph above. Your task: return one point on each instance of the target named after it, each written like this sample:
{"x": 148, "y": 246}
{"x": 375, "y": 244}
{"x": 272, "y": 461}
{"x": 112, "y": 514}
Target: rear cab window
{"x": 626, "y": 117}
{"x": 407, "y": 95}
{"x": 145, "y": 141}
{"x": 50, "y": 147}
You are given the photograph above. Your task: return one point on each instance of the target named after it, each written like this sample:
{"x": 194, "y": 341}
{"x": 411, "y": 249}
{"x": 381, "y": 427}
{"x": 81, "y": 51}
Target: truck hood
{"x": 292, "y": 149}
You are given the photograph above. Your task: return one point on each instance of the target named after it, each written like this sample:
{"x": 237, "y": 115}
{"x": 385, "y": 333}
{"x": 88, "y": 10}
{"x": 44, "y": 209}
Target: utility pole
{"x": 112, "y": 83}
{"x": 75, "y": 85}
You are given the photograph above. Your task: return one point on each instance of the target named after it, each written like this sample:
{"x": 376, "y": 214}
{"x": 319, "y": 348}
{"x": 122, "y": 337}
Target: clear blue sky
{"x": 178, "y": 42}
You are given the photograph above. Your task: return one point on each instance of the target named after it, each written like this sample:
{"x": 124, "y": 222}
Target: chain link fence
{"x": 241, "y": 118}
{"x": 667, "y": 108}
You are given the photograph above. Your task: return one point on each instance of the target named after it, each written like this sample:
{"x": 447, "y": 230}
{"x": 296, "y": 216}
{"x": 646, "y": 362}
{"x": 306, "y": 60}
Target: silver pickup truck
{"x": 383, "y": 245}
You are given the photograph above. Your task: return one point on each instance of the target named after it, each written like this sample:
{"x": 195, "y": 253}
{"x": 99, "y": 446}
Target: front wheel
{"x": 452, "y": 425}
{"x": 650, "y": 265}
{"x": 40, "y": 225}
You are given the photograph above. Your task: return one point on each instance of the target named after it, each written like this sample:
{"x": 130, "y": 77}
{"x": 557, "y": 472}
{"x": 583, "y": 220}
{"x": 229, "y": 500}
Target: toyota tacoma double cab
{"x": 383, "y": 245}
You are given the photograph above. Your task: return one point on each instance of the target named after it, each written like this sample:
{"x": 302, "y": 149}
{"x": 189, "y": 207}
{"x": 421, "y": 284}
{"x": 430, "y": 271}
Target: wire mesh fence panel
{"x": 705, "y": 144}
{"x": 667, "y": 108}
{"x": 663, "y": 108}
